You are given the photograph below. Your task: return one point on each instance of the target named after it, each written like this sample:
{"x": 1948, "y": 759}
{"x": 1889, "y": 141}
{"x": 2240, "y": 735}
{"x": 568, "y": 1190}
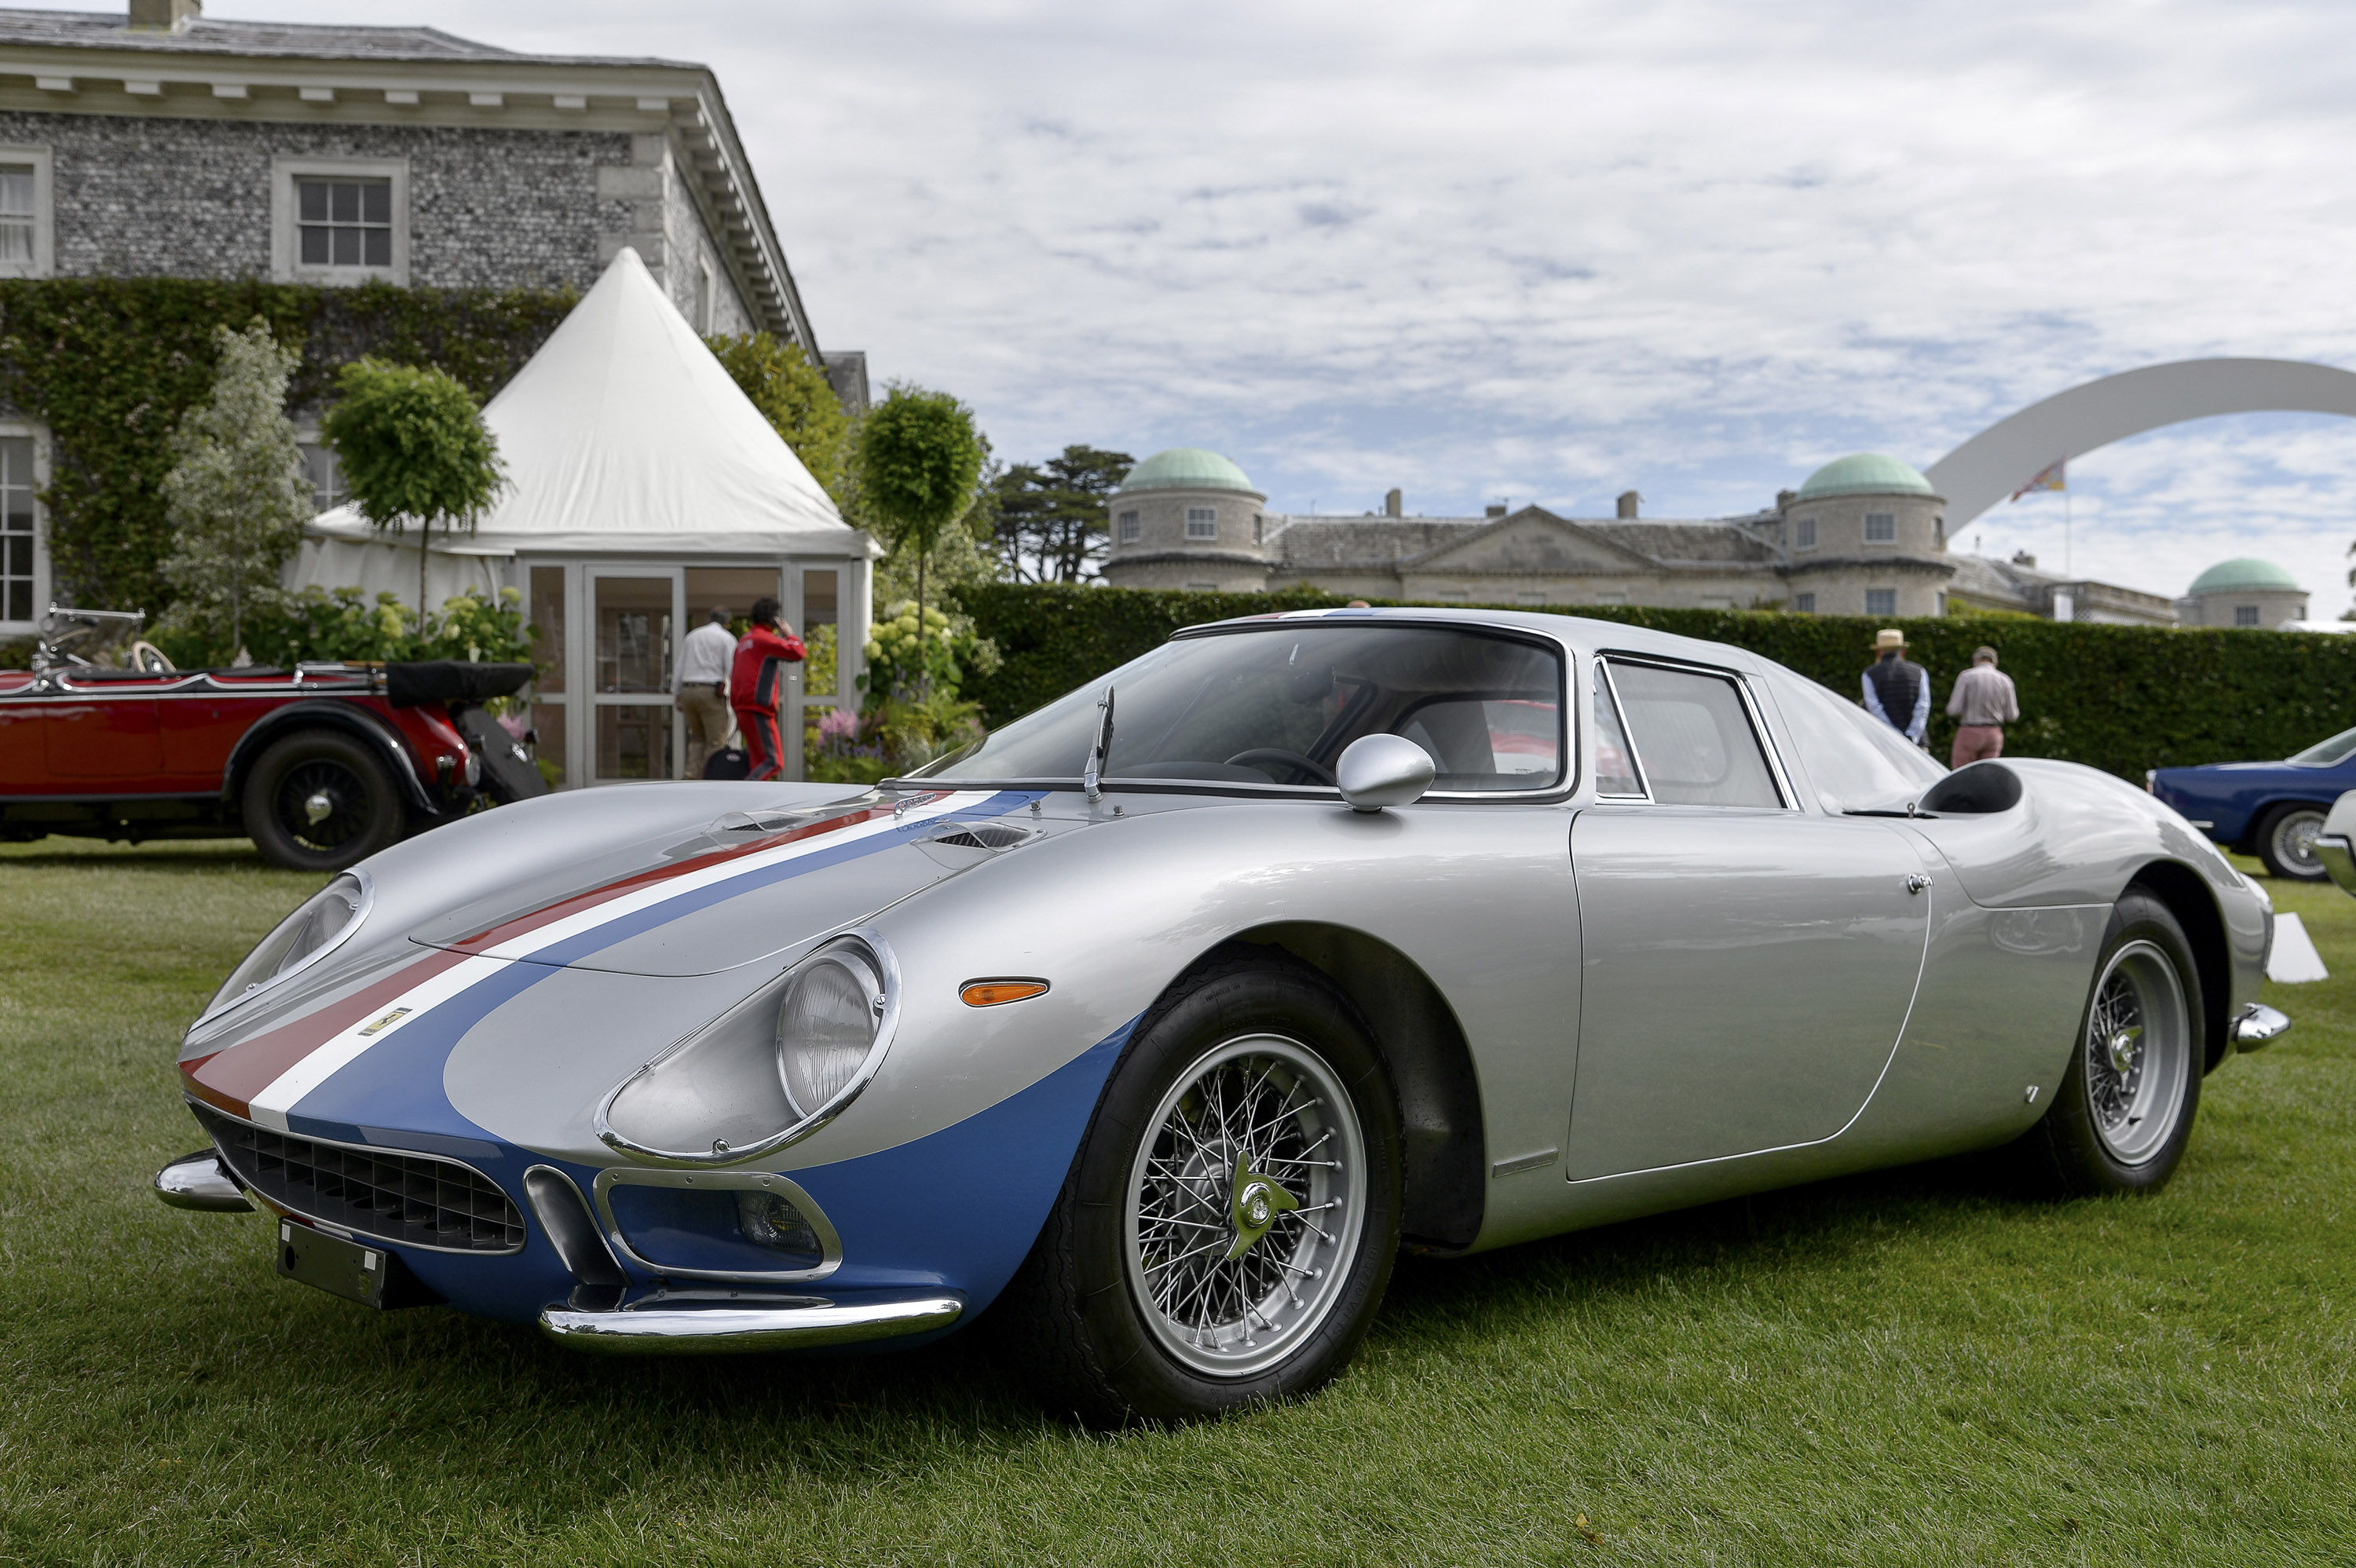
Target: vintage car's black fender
{"x": 348, "y": 716}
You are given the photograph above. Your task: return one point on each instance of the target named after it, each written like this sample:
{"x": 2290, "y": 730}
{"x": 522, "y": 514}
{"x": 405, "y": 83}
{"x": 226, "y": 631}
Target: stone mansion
{"x": 1864, "y": 535}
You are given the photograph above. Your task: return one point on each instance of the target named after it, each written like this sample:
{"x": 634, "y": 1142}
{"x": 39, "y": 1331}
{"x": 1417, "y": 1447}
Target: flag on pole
{"x": 2050, "y": 477}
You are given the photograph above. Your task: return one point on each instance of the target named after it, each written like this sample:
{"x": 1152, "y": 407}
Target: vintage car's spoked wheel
{"x": 2287, "y": 842}
{"x": 2120, "y": 1119}
{"x": 2138, "y": 1055}
{"x": 319, "y": 801}
{"x": 1245, "y": 1205}
{"x": 1230, "y": 1220}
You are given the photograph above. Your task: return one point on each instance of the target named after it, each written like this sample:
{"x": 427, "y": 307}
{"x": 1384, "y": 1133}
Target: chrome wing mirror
{"x": 1377, "y": 771}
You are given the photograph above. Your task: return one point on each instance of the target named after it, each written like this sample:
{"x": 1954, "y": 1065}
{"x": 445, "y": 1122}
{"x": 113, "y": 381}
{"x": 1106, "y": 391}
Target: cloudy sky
{"x": 1522, "y": 251}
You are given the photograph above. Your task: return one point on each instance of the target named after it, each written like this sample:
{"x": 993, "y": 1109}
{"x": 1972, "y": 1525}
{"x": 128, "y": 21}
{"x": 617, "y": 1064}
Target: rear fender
{"x": 325, "y": 715}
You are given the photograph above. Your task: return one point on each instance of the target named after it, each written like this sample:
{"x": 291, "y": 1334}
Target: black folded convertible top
{"x": 450, "y": 681}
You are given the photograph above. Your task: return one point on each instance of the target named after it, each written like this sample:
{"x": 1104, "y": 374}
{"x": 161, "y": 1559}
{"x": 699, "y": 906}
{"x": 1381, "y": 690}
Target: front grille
{"x": 392, "y": 1196}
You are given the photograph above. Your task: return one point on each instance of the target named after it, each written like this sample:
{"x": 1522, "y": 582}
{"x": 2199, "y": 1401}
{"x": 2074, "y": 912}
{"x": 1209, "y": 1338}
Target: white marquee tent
{"x": 644, "y": 490}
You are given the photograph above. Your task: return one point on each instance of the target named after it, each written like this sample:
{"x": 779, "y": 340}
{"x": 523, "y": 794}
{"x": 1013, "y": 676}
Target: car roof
{"x": 1579, "y": 631}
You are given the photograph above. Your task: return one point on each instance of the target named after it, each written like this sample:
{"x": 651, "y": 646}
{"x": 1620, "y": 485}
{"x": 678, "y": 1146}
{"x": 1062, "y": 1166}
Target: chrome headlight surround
{"x": 223, "y": 1003}
{"x": 734, "y": 1065}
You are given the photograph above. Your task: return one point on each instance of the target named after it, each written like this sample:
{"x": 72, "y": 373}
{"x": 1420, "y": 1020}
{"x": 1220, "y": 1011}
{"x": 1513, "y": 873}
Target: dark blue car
{"x": 2271, "y": 810}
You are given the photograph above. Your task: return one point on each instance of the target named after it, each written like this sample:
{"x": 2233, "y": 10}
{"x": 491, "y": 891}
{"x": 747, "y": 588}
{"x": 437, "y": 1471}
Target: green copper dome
{"x": 1865, "y": 474}
{"x": 2246, "y": 575}
{"x": 1187, "y": 468}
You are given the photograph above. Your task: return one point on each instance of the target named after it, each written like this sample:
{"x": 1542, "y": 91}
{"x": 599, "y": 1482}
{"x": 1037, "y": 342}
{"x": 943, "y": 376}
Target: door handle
{"x": 1917, "y": 882}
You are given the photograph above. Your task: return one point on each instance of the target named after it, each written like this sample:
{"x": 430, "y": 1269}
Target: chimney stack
{"x": 1493, "y": 509}
{"x": 164, "y": 15}
{"x": 1392, "y": 504}
{"x": 1628, "y": 500}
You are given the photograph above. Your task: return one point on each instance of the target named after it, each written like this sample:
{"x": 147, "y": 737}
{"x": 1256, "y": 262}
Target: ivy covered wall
{"x": 109, "y": 365}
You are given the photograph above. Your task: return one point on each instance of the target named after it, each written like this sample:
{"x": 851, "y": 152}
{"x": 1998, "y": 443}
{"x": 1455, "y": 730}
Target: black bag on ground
{"x": 728, "y": 762}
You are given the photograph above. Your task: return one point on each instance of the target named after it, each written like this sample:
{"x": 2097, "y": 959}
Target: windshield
{"x": 1276, "y": 705}
{"x": 2327, "y": 753}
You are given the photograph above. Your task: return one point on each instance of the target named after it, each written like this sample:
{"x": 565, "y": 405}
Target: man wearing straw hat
{"x": 1897, "y": 690}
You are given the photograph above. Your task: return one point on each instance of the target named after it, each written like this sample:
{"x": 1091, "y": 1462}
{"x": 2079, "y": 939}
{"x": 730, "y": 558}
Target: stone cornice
{"x": 1933, "y": 565}
{"x": 681, "y": 102}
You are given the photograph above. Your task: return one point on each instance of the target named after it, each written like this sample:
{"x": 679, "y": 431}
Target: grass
{"x": 1904, "y": 1368}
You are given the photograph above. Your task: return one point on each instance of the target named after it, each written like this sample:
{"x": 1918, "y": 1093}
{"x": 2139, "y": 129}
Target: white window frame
{"x": 284, "y": 245}
{"x": 1891, "y": 612}
{"x": 1206, "y": 527}
{"x": 1888, "y": 518}
{"x": 43, "y": 586}
{"x": 45, "y": 230}
{"x": 308, "y": 435}
{"x": 1803, "y": 533}
{"x": 1128, "y": 525}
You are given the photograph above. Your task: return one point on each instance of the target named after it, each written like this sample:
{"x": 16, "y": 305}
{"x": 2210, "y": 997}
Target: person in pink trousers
{"x": 1985, "y": 702}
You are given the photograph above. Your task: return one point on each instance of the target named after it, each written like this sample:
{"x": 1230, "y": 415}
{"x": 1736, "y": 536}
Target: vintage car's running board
{"x": 671, "y": 1325}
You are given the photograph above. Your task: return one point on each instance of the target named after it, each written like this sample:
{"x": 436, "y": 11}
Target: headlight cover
{"x": 769, "y": 1071}
{"x": 321, "y": 924}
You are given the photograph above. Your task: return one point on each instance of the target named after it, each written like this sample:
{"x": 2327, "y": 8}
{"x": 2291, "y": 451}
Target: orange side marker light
{"x": 993, "y": 993}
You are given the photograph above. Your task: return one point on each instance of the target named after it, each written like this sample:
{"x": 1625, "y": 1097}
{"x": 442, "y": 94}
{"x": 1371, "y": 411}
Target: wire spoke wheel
{"x": 322, "y": 804}
{"x": 2294, "y": 843}
{"x": 1245, "y": 1205}
{"x": 2138, "y": 1052}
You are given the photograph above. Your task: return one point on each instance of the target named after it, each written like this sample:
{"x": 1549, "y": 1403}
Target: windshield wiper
{"x": 1100, "y": 751}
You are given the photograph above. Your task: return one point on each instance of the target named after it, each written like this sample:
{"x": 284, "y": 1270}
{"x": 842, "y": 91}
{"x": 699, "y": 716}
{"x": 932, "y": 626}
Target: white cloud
{"x": 1555, "y": 252}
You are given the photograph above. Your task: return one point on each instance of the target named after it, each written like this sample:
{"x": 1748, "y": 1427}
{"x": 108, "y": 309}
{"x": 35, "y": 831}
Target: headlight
{"x": 321, "y": 922}
{"x": 767, "y": 1072}
{"x": 826, "y": 1026}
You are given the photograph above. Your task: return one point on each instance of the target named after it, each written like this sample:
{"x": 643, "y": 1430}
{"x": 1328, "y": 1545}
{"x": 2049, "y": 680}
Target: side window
{"x": 1854, "y": 761}
{"x": 1615, "y": 765}
{"x": 1693, "y": 737}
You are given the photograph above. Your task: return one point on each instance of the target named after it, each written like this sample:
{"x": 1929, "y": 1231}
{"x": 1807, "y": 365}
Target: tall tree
{"x": 413, "y": 448}
{"x": 920, "y": 460}
{"x": 795, "y": 396}
{"x": 1054, "y": 522}
{"x": 235, "y": 496}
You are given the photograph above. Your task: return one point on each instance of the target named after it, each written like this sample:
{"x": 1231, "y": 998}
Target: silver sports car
{"x": 1162, "y": 1018}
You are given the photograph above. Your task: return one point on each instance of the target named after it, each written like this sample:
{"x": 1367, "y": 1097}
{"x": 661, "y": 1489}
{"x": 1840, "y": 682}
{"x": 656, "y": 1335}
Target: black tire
{"x": 2089, "y": 1142}
{"x": 293, "y": 776}
{"x": 1074, "y": 1313}
{"x": 2286, "y": 839}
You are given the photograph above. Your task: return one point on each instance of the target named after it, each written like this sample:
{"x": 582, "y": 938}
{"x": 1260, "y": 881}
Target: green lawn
{"x": 1899, "y": 1368}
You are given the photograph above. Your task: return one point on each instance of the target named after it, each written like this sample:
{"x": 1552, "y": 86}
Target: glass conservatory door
{"x": 636, "y": 616}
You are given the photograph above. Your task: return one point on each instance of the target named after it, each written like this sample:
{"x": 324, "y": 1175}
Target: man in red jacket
{"x": 756, "y": 686}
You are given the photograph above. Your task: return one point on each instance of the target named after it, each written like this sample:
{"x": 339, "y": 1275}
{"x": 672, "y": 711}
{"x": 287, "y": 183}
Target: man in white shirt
{"x": 1897, "y": 689}
{"x": 700, "y": 687}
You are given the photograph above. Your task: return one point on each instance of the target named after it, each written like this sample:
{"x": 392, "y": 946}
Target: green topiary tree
{"x": 920, "y": 461}
{"x": 794, "y": 396}
{"x": 235, "y": 495}
{"x": 413, "y": 447}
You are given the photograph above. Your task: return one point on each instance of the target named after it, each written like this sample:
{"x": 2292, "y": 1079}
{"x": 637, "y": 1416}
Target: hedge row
{"x": 110, "y": 364}
{"x": 2122, "y": 698}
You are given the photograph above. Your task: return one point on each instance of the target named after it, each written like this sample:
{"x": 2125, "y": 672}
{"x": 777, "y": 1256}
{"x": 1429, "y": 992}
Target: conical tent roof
{"x": 623, "y": 434}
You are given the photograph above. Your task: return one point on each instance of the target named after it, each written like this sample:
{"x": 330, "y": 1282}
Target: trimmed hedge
{"x": 2122, "y": 698}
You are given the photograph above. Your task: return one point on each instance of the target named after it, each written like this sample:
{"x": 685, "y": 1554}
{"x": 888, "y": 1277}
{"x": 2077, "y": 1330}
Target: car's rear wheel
{"x": 319, "y": 800}
{"x": 1230, "y": 1221}
{"x": 2124, "y": 1110}
{"x": 2287, "y": 842}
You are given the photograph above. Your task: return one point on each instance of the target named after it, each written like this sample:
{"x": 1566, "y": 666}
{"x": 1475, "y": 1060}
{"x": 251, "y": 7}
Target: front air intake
{"x": 416, "y": 1199}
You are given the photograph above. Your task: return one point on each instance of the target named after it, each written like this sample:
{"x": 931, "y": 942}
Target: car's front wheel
{"x": 319, "y": 800}
{"x": 2123, "y": 1112}
{"x": 2287, "y": 842}
{"x": 1230, "y": 1221}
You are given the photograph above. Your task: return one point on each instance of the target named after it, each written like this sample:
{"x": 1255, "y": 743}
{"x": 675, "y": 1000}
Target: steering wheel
{"x": 1277, "y": 755}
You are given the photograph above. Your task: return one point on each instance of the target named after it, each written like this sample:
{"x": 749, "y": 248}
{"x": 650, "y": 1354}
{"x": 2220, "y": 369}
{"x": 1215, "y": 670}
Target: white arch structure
{"x": 2011, "y": 452}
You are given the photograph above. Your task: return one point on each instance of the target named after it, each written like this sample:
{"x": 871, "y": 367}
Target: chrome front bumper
{"x": 669, "y": 1324}
{"x": 201, "y": 1180}
{"x": 2338, "y": 858}
{"x": 2258, "y": 1027}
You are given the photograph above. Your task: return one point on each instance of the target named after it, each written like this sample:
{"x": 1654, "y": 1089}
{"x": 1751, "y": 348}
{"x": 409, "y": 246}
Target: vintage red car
{"x": 321, "y": 766}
